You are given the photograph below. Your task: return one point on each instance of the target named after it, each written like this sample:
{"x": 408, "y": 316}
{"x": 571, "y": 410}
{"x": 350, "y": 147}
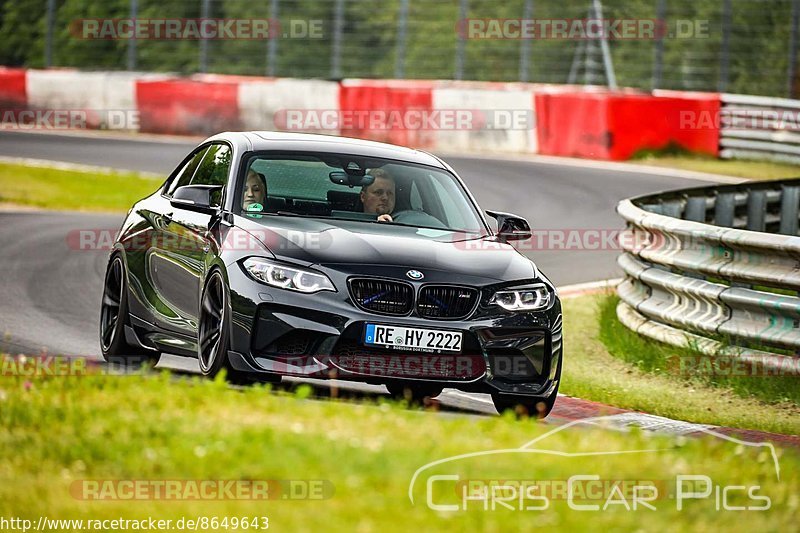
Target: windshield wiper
{"x": 393, "y": 223}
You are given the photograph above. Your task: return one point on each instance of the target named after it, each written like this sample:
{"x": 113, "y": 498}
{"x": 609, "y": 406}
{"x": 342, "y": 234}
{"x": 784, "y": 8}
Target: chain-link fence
{"x": 741, "y": 46}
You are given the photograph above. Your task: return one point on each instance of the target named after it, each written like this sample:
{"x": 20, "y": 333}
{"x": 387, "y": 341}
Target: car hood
{"x": 310, "y": 241}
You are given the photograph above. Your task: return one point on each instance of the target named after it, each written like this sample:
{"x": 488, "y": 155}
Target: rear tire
{"x": 114, "y": 317}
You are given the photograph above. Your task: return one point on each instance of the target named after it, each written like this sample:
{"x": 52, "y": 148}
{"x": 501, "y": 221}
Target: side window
{"x": 184, "y": 177}
{"x": 214, "y": 169}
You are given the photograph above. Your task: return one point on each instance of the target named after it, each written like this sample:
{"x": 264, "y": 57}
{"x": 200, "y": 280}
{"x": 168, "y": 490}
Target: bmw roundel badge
{"x": 415, "y": 274}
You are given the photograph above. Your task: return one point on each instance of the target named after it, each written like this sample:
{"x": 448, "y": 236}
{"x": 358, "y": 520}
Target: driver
{"x": 379, "y": 196}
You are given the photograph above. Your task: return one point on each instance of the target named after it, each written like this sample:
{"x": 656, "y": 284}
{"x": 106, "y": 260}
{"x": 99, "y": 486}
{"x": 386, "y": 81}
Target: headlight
{"x": 285, "y": 277}
{"x": 522, "y": 299}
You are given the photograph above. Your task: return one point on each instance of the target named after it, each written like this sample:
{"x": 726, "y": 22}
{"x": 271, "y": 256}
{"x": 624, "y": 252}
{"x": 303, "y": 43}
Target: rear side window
{"x": 184, "y": 177}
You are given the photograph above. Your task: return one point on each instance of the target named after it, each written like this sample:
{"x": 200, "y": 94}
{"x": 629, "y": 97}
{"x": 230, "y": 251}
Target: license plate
{"x": 415, "y": 339}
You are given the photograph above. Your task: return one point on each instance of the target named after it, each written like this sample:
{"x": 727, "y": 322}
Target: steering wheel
{"x": 420, "y": 218}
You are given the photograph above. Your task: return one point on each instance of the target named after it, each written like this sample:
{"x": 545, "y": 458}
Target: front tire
{"x": 525, "y": 405}
{"x": 413, "y": 393}
{"x": 114, "y": 317}
{"x": 213, "y": 331}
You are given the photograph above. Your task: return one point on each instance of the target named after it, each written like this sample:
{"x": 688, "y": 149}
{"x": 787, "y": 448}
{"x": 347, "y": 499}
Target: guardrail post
{"x": 205, "y": 12}
{"x": 672, "y": 209}
{"x": 131, "y": 65}
{"x": 756, "y": 210}
{"x": 525, "y": 44}
{"x": 658, "y": 54}
{"x": 695, "y": 209}
{"x": 48, "y": 39}
{"x": 272, "y": 45}
{"x": 724, "y": 53}
{"x": 463, "y": 9}
{"x": 400, "y": 51}
{"x": 336, "y": 46}
{"x": 696, "y": 212}
{"x": 792, "y": 68}
{"x": 790, "y": 201}
{"x": 724, "y": 210}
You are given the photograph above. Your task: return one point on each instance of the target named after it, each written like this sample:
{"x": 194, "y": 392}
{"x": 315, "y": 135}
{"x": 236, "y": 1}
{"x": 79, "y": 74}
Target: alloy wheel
{"x": 212, "y": 322}
{"x": 112, "y": 301}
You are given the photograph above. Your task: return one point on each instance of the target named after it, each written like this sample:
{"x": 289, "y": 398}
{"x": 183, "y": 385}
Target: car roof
{"x": 309, "y": 142}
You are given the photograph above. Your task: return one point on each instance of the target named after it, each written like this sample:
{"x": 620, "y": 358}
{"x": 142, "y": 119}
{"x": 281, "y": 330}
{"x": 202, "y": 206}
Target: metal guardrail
{"x": 716, "y": 269}
{"x": 759, "y": 127}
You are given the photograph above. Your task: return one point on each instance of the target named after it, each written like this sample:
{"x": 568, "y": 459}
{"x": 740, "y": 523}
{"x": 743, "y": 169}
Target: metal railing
{"x": 758, "y": 127}
{"x": 716, "y": 269}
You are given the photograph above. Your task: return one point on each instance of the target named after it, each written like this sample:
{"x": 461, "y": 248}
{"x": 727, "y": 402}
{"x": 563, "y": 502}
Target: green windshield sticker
{"x": 254, "y": 208}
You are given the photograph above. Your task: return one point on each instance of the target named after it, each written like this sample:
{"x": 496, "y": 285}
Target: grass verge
{"x": 655, "y": 357}
{"x": 62, "y": 438}
{"x": 740, "y": 168}
{"x": 607, "y": 363}
{"x": 72, "y": 190}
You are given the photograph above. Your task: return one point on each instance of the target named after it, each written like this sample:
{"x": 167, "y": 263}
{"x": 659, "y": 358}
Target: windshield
{"x": 357, "y": 189}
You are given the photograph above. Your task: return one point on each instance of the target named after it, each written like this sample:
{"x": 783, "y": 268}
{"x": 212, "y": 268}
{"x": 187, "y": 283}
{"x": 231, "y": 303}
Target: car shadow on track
{"x": 450, "y": 401}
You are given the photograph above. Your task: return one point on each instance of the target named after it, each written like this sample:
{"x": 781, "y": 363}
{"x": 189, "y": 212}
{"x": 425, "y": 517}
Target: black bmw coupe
{"x": 270, "y": 254}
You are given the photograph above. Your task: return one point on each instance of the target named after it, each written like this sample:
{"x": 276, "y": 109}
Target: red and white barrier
{"x": 188, "y": 106}
{"x": 108, "y": 98}
{"x": 266, "y": 104}
{"x": 503, "y": 119}
{"x": 363, "y": 102}
{"x": 429, "y": 114}
{"x": 614, "y": 126}
{"x": 13, "y": 90}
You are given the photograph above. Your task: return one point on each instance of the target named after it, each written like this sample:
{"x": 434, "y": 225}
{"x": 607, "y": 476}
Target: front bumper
{"x": 287, "y": 333}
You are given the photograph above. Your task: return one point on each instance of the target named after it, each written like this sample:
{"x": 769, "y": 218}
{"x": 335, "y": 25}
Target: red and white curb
{"x": 584, "y": 289}
{"x": 568, "y": 410}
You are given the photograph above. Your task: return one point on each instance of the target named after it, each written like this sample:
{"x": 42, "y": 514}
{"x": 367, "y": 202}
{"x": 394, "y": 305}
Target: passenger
{"x": 255, "y": 189}
{"x": 379, "y": 197}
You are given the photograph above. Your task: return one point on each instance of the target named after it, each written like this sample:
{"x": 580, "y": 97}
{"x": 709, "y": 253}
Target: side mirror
{"x": 510, "y": 227}
{"x": 196, "y": 198}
